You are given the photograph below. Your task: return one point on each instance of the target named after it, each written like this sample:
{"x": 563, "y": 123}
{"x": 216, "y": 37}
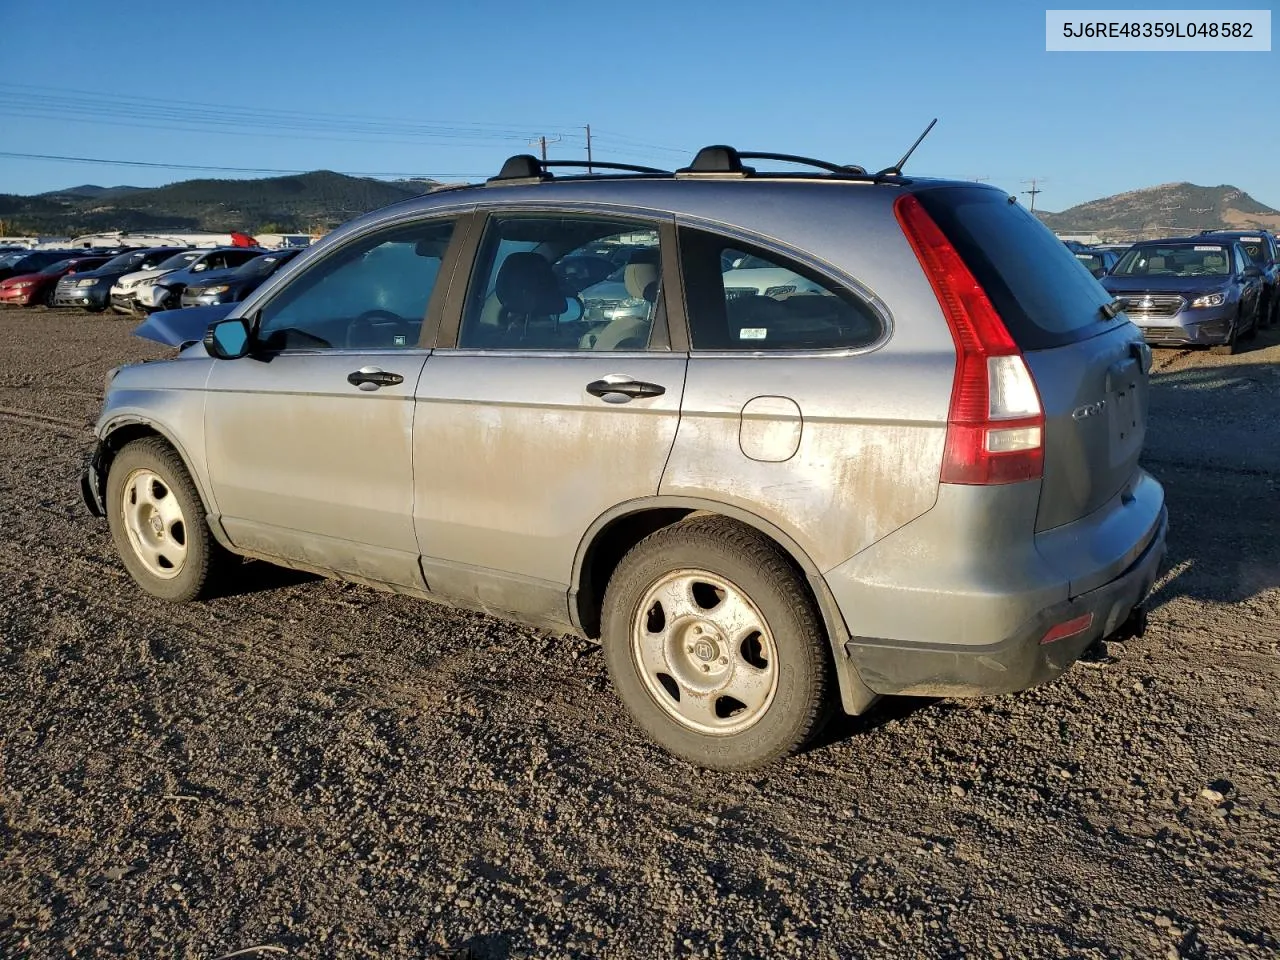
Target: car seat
{"x": 529, "y": 293}
{"x": 641, "y": 278}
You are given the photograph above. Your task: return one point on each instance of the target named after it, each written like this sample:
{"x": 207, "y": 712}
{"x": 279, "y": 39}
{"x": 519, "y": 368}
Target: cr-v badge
{"x": 1088, "y": 410}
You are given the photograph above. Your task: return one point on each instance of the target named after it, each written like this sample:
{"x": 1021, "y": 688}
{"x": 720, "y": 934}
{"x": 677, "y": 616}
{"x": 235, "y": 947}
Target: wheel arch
{"x": 116, "y": 433}
{"x": 617, "y": 530}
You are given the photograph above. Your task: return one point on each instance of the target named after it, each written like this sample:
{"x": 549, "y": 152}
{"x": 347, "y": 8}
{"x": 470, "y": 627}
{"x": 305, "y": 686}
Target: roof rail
{"x": 806, "y": 161}
{"x": 720, "y": 161}
{"x": 526, "y": 168}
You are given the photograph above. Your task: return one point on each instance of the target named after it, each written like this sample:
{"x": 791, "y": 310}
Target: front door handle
{"x": 371, "y": 378}
{"x": 620, "y": 391}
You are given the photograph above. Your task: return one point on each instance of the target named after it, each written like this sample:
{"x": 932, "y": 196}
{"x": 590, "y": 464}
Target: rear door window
{"x": 1034, "y": 282}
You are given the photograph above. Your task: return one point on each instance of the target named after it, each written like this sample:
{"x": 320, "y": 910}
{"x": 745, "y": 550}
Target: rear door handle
{"x": 371, "y": 378}
{"x": 620, "y": 391}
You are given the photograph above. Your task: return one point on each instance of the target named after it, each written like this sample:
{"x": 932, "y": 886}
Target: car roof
{"x": 1184, "y": 241}
{"x": 808, "y": 199}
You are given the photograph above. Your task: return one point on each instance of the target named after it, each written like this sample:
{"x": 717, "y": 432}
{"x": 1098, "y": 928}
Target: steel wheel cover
{"x": 154, "y": 522}
{"x": 704, "y": 652}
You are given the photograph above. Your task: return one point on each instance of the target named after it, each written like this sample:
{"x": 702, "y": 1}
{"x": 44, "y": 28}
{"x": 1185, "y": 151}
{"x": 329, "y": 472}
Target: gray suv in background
{"x": 828, "y": 436}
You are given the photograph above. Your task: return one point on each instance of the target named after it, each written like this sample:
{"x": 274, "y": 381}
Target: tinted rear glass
{"x": 1045, "y": 296}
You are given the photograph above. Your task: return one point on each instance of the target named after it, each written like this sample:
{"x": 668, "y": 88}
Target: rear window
{"x": 1043, "y": 294}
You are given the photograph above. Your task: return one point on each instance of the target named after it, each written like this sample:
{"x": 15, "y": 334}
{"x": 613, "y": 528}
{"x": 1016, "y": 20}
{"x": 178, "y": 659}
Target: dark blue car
{"x": 1264, "y": 250}
{"x": 1189, "y": 292}
{"x": 235, "y": 286}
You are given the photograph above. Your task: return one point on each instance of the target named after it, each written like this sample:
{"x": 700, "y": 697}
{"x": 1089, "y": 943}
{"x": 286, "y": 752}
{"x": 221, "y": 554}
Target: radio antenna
{"x": 896, "y": 169}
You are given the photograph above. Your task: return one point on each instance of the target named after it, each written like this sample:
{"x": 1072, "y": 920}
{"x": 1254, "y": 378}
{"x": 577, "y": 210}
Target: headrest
{"x": 641, "y": 275}
{"x": 527, "y": 285}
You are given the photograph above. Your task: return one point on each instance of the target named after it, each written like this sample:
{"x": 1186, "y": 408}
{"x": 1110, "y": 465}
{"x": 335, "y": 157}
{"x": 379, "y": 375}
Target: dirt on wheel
{"x": 307, "y": 768}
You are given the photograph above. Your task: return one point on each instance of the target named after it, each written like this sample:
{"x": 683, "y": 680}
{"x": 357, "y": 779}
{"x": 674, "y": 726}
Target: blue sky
{"x": 451, "y": 89}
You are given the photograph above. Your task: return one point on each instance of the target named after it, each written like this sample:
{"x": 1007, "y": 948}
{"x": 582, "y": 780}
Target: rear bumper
{"x": 1020, "y": 661}
{"x": 956, "y": 602}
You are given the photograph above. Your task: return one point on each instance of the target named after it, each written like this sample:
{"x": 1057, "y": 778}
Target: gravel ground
{"x": 313, "y": 769}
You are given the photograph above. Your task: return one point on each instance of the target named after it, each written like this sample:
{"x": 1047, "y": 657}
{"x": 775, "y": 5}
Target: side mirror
{"x": 228, "y": 339}
{"x": 1252, "y": 271}
{"x": 1099, "y": 272}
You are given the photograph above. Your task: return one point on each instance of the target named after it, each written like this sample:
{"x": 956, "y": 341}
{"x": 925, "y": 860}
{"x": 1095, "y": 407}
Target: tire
{"x": 160, "y": 531}
{"x": 1253, "y": 327}
{"x": 49, "y": 297}
{"x": 710, "y": 573}
{"x": 1232, "y": 344}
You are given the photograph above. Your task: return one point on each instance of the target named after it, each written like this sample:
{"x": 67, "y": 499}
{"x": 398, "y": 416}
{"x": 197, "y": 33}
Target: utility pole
{"x": 589, "y": 148}
{"x": 542, "y": 143}
{"x": 1034, "y": 190}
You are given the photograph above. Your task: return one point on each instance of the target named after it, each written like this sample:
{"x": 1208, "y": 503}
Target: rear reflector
{"x": 995, "y": 425}
{"x": 1069, "y": 629}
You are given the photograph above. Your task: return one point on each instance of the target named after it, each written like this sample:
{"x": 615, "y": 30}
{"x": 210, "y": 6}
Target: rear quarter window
{"x": 1043, "y": 294}
{"x": 743, "y": 297}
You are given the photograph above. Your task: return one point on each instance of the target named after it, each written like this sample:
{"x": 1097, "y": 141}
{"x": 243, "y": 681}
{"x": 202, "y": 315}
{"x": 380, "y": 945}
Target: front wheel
{"x": 714, "y": 645}
{"x": 158, "y": 523}
{"x": 1233, "y": 341}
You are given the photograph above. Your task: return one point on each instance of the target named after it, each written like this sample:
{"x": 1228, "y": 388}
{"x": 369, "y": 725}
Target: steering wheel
{"x": 368, "y": 322}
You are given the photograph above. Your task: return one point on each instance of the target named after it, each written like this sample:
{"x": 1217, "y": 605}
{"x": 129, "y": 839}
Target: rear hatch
{"x": 1090, "y": 370}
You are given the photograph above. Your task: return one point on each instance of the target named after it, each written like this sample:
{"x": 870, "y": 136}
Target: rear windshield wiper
{"x": 1112, "y": 310}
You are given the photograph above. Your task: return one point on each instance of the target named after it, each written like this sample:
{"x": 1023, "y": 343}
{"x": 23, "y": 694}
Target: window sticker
{"x": 752, "y": 333}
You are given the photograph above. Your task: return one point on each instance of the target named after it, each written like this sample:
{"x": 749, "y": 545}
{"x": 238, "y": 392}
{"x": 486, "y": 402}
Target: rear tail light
{"x": 995, "y": 426}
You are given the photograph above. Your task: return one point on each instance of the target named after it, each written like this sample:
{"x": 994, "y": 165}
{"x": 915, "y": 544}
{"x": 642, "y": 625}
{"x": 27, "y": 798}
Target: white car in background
{"x": 124, "y": 292}
{"x": 747, "y": 275}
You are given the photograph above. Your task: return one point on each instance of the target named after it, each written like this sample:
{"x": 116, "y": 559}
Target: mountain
{"x": 90, "y": 190}
{"x": 1167, "y": 210}
{"x": 321, "y": 199}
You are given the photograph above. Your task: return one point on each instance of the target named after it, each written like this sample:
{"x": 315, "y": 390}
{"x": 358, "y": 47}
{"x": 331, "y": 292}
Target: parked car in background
{"x": 918, "y": 476}
{"x": 19, "y": 262}
{"x": 1263, "y": 249}
{"x": 165, "y": 291}
{"x": 92, "y": 290}
{"x": 124, "y": 292}
{"x": 1097, "y": 260}
{"x": 1189, "y": 292}
{"x": 237, "y": 284}
{"x": 30, "y": 289}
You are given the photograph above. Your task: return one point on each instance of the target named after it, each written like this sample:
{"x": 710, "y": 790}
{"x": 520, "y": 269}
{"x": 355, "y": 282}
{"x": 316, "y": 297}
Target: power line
{"x": 94, "y": 101}
{"x": 212, "y": 168}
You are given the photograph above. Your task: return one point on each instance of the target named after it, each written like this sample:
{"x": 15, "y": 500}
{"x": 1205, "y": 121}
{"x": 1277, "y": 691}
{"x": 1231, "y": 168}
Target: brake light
{"x": 995, "y": 426}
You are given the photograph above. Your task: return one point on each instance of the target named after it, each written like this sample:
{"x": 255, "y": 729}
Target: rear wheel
{"x": 158, "y": 523}
{"x": 714, "y": 645}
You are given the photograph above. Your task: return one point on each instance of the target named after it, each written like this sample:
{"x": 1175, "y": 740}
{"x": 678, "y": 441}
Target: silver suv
{"x": 781, "y": 441}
